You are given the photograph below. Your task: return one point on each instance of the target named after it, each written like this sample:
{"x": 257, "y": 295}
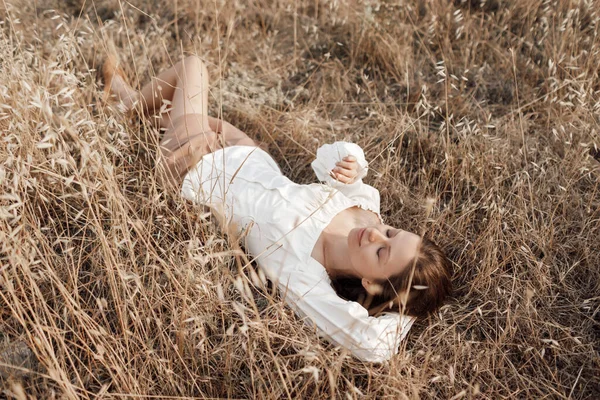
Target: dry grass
{"x": 120, "y": 288}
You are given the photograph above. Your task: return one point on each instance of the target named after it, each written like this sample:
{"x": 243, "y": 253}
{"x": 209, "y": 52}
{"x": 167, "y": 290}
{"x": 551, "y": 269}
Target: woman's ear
{"x": 372, "y": 288}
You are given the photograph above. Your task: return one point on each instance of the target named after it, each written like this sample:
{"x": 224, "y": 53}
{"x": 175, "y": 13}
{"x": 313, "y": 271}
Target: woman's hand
{"x": 345, "y": 170}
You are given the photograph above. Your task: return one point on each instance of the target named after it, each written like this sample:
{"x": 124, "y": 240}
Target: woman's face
{"x": 380, "y": 251}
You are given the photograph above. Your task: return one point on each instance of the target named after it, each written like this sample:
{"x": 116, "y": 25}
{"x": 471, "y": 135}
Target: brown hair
{"x": 430, "y": 285}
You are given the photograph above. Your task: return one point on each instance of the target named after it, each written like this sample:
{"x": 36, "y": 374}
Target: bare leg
{"x": 190, "y": 132}
{"x": 115, "y": 84}
{"x": 189, "y": 135}
{"x": 162, "y": 87}
{"x": 165, "y": 86}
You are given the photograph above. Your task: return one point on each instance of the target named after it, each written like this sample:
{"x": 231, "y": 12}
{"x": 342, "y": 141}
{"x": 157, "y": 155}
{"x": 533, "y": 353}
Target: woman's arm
{"x": 345, "y": 323}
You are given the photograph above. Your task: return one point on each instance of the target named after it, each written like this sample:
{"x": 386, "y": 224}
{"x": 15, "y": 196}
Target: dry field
{"x": 113, "y": 287}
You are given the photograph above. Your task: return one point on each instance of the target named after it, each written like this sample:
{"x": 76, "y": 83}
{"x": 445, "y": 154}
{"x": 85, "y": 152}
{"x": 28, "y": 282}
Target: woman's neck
{"x": 336, "y": 259}
{"x": 332, "y": 247}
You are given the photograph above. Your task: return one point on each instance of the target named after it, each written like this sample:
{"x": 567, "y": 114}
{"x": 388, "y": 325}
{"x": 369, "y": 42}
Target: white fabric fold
{"x": 329, "y": 154}
{"x": 366, "y": 196}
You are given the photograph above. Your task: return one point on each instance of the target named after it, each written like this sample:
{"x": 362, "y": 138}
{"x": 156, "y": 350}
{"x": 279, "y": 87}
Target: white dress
{"x": 245, "y": 185}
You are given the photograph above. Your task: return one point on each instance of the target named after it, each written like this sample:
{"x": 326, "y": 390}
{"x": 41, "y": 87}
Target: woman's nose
{"x": 375, "y": 235}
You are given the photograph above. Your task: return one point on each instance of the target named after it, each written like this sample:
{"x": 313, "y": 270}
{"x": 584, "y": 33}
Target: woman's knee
{"x": 193, "y": 64}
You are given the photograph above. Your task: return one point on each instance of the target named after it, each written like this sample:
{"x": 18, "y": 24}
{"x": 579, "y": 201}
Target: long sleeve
{"x": 327, "y": 155}
{"x": 345, "y": 323}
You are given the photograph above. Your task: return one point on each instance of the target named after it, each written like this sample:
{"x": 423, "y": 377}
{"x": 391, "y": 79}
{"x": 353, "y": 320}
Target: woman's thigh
{"x": 191, "y": 92}
{"x": 185, "y": 143}
{"x": 232, "y": 136}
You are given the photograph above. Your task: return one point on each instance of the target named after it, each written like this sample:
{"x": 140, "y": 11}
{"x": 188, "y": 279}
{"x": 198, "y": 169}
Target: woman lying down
{"x": 324, "y": 245}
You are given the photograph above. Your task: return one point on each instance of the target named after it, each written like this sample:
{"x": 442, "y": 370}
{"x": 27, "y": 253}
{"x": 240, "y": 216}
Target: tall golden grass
{"x": 114, "y": 287}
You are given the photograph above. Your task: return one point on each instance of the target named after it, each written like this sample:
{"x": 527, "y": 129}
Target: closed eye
{"x": 388, "y": 234}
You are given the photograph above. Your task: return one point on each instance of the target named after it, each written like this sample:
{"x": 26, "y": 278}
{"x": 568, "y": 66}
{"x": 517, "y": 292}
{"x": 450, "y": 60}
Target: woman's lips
{"x": 360, "y": 235}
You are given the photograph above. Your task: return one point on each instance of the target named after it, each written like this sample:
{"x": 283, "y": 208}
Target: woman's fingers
{"x": 343, "y": 178}
{"x": 347, "y": 168}
{"x": 348, "y": 165}
{"x": 345, "y": 172}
